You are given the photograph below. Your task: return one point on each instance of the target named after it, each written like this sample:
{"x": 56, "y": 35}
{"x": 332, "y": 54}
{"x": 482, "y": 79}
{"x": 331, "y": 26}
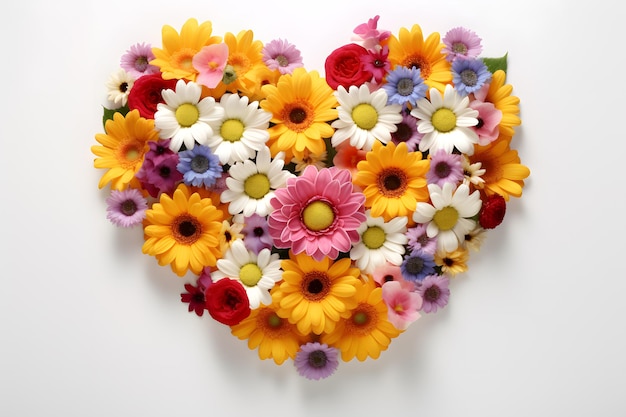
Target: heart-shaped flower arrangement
{"x": 318, "y": 217}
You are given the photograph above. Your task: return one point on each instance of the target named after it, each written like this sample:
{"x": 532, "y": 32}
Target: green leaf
{"x": 494, "y": 64}
{"x": 108, "y": 113}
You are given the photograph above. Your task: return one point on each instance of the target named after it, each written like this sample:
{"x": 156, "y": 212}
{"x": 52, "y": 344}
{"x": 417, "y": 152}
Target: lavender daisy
{"x": 407, "y": 132}
{"x": 316, "y": 361}
{"x": 405, "y": 86}
{"x": 136, "y": 60}
{"x": 445, "y": 167}
{"x": 282, "y": 56}
{"x": 256, "y": 233}
{"x": 469, "y": 75}
{"x": 417, "y": 265}
{"x": 199, "y": 166}
{"x": 126, "y": 208}
{"x": 419, "y": 240}
{"x": 435, "y": 292}
{"x": 461, "y": 43}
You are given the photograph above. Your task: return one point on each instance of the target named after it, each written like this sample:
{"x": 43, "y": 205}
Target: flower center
{"x": 442, "y": 169}
{"x": 315, "y": 285}
{"x": 403, "y": 133}
{"x": 317, "y": 359}
{"x": 186, "y": 229}
{"x": 256, "y": 186}
{"x": 365, "y": 116}
{"x": 282, "y": 60}
{"x": 318, "y": 215}
{"x": 123, "y": 87}
{"x": 446, "y": 218}
{"x": 360, "y": 318}
{"x": 187, "y": 114}
{"x": 432, "y": 293}
{"x": 273, "y": 320}
{"x": 420, "y": 63}
{"x": 414, "y": 265}
{"x": 232, "y": 130}
{"x": 199, "y": 164}
{"x": 392, "y": 182}
{"x": 183, "y": 59}
{"x": 250, "y": 274}
{"x": 128, "y": 208}
{"x": 297, "y": 115}
{"x": 469, "y": 77}
{"x": 405, "y": 87}
{"x": 141, "y": 63}
{"x": 132, "y": 154}
{"x": 258, "y": 231}
{"x": 459, "y": 48}
{"x": 374, "y": 237}
{"x": 444, "y": 120}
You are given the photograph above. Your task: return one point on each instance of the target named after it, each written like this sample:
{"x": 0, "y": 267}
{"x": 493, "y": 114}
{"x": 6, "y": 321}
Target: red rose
{"x": 146, "y": 94}
{"x": 227, "y": 301}
{"x": 344, "y": 67}
{"x": 492, "y": 212}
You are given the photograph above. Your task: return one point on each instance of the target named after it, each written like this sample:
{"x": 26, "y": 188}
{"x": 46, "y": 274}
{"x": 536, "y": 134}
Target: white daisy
{"x": 379, "y": 242}
{"x": 449, "y": 217}
{"x": 118, "y": 86}
{"x": 251, "y": 184}
{"x": 241, "y": 131}
{"x": 364, "y": 117}
{"x": 184, "y": 117}
{"x": 472, "y": 173}
{"x": 446, "y": 122}
{"x": 257, "y": 273}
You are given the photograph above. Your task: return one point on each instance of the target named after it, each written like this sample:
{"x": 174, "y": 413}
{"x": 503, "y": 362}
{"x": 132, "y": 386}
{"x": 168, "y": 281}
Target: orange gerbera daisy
{"x": 274, "y": 336}
{"x": 302, "y": 104}
{"x": 175, "y": 59}
{"x": 504, "y": 174}
{"x": 183, "y": 231}
{"x": 367, "y": 331}
{"x": 393, "y": 180}
{"x": 314, "y": 295}
{"x": 500, "y": 95}
{"x": 123, "y": 148}
{"x": 410, "y": 50}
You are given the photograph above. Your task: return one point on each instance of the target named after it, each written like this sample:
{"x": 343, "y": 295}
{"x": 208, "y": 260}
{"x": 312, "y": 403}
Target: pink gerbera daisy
{"x": 282, "y": 56}
{"x": 317, "y": 213}
{"x": 136, "y": 60}
{"x": 461, "y": 43}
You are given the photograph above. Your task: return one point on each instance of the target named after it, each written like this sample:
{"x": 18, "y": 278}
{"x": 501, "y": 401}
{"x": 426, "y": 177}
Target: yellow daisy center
{"x": 446, "y": 218}
{"x": 187, "y": 114}
{"x": 232, "y": 130}
{"x": 250, "y": 274}
{"x": 365, "y": 116}
{"x": 256, "y": 186}
{"x": 318, "y": 215}
{"x": 360, "y": 318}
{"x": 273, "y": 320}
{"x": 183, "y": 59}
{"x": 374, "y": 237}
{"x": 444, "y": 120}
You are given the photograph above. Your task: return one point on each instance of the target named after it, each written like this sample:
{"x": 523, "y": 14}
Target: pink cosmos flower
{"x": 317, "y": 213}
{"x": 488, "y": 127}
{"x": 402, "y": 304}
{"x": 210, "y": 62}
{"x": 388, "y": 272}
{"x": 369, "y": 34}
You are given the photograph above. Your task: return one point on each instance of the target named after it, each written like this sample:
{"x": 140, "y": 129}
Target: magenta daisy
{"x": 435, "y": 292}
{"x": 317, "y": 213}
{"x": 126, "y": 208}
{"x": 407, "y": 132}
{"x": 281, "y": 55}
{"x": 461, "y": 43}
{"x": 136, "y": 60}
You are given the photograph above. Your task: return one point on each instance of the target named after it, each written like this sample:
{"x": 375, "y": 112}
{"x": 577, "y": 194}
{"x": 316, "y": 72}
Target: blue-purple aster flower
{"x": 136, "y": 60}
{"x": 405, "y": 86}
{"x": 316, "y": 360}
{"x": 417, "y": 265}
{"x": 418, "y": 239}
{"x": 461, "y": 43}
{"x": 469, "y": 75}
{"x": 199, "y": 166}
{"x": 126, "y": 208}
{"x": 282, "y": 56}
{"x": 256, "y": 233}
{"x": 445, "y": 167}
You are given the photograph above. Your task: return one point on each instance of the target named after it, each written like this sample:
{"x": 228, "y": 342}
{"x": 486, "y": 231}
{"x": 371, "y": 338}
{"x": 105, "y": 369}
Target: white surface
{"x": 92, "y": 327}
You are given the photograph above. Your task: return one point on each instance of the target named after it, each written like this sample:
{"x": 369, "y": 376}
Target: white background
{"x": 92, "y": 327}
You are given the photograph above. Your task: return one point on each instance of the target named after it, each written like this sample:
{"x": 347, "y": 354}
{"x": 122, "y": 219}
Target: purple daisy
{"x": 407, "y": 132}
{"x": 136, "y": 60}
{"x": 282, "y": 56}
{"x": 199, "y": 166}
{"x": 461, "y": 43}
{"x": 316, "y": 361}
{"x": 435, "y": 292}
{"x": 256, "y": 233}
{"x": 158, "y": 173}
{"x": 418, "y": 239}
{"x": 126, "y": 208}
{"x": 445, "y": 167}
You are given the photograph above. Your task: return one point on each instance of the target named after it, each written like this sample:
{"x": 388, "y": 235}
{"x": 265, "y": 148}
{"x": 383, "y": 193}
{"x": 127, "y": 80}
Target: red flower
{"x": 492, "y": 212}
{"x": 227, "y": 301}
{"x": 195, "y": 297}
{"x": 344, "y": 66}
{"x": 146, "y": 94}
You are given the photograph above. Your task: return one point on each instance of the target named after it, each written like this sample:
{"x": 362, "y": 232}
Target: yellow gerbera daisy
{"x": 183, "y": 231}
{"x": 504, "y": 174}
{"x": 175, "y": 59}
{"x": 500, "y": 95}
{"x": 314, "y": 295}
{"x": 274, "y": 336}
{"x": 123, "y": 148}
{"x": 302, "y": 104}
{"x": 246, "y": 59}
{"x": 367, "y": 331}
{"x": 454, "y": 262}
{"x": 410, "y": 50}
{"x": 393, "y": 180}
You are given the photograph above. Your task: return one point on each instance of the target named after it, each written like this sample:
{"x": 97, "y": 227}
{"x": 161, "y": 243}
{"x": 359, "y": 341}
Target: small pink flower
{"x": 402, "y": 304}
{"x": 369, "y": 34}
{"x": 388, "y": 272}
{"x": 210, "y": 63}
{"x": 488, "y": 127}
